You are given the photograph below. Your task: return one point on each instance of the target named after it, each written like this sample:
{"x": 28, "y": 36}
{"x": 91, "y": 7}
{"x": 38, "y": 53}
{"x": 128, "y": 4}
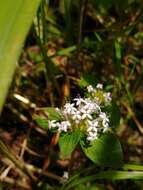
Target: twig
{"x": 33, "y": 169}
{"x": 34, "y": 153}
{"x": 24, "y": 145}
{"x": 15, "y": 182}
{"x": 5, "y": 150}
{"x": 5, "y": 172}
{"x": 138, "y": 124}
{"x": 43, "y": 172}
{"x": 26, "y": 120}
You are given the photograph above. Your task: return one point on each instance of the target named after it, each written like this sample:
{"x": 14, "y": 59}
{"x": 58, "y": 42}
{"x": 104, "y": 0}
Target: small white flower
{"x": 107, "y": 97}
{"x": 69, "y": 109}
{"x": 58, "y": 110}
{"x": 64, "y": 126}
{"x": 77, "y": 117}
{"x": 92, "y": 124}
{"x": 106, "y": 127}
{"x": 79, "y": 101}
{"x": 89, "y": 108}
{"x": 92, "y": 131}
{"x": 86, "y": 111}
{"x": 105, "y": 121}
{"x": 99, "y": 86}
{"x": 103, "y": 116}
{"x": 52, "y": 124}
{"x": 105, "y": 124}
{"x": 90, "y": 89}
{"x": 91, "y": 136}
{"x": 86, "y": 115}
{"x": 65, "y": 176}
{"x": 93, "y": 127}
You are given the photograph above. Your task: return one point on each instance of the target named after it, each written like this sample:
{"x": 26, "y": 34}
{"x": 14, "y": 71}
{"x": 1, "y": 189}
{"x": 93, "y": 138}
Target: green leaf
{"x": 118, "y": 58}
{"x": 82, "y": 82}
{"x": 42, "y": 122}
{"x": 15, "y": 19}
{"x": 44, "y": 114}
{"x": 105, "y": 151}
{"x": 68, "y": 142}
{"x": 87, "y": 79}
{"x": 66, "y": 51}
{"x": 118, "y": 50}
{"x": 51, "y": 113}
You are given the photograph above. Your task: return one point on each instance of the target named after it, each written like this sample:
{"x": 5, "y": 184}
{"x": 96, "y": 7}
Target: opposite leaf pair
{"x": 86, "y": 121}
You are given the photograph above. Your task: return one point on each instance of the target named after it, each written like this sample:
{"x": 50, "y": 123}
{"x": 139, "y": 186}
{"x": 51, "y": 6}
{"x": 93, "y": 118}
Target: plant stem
{"x": 49, "y": 75}
{"x": 82, "y": 18}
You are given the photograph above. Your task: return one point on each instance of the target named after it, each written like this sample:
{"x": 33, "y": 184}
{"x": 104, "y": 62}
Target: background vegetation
{"x": 71, "y": 43}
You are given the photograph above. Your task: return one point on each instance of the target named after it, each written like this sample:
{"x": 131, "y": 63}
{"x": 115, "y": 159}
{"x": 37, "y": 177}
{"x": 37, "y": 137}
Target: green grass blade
{"x": 134, "y": 167}
{"x": 68, "y": 20}
{"x": 66, "y": 51}
{"x": 15, "y": 19}
{"x": 119, "y": 175}
{"x": 109, "y": 175}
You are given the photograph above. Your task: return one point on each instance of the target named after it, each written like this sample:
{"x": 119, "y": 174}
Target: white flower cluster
{"x": 85, "y": 113}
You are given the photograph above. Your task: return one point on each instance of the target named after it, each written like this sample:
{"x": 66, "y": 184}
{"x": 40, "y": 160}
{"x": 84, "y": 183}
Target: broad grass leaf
{"x": 68, "y": 142}
{"x": 15, "y": 19}
{"x": 105, "y": 151}
{"x": 108, "y": 175}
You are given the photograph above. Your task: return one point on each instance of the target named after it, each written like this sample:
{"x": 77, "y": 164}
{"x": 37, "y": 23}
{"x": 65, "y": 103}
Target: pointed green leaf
{"x": 42, "y": 122}
{"x": 45, "y": 114}
{"x": 66, "y": 51}
{"x": 52, "y": 114}
{"x": 68, "y": 142}
{"x": 48, "y": 113}
{"x": 105, "y": 151}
